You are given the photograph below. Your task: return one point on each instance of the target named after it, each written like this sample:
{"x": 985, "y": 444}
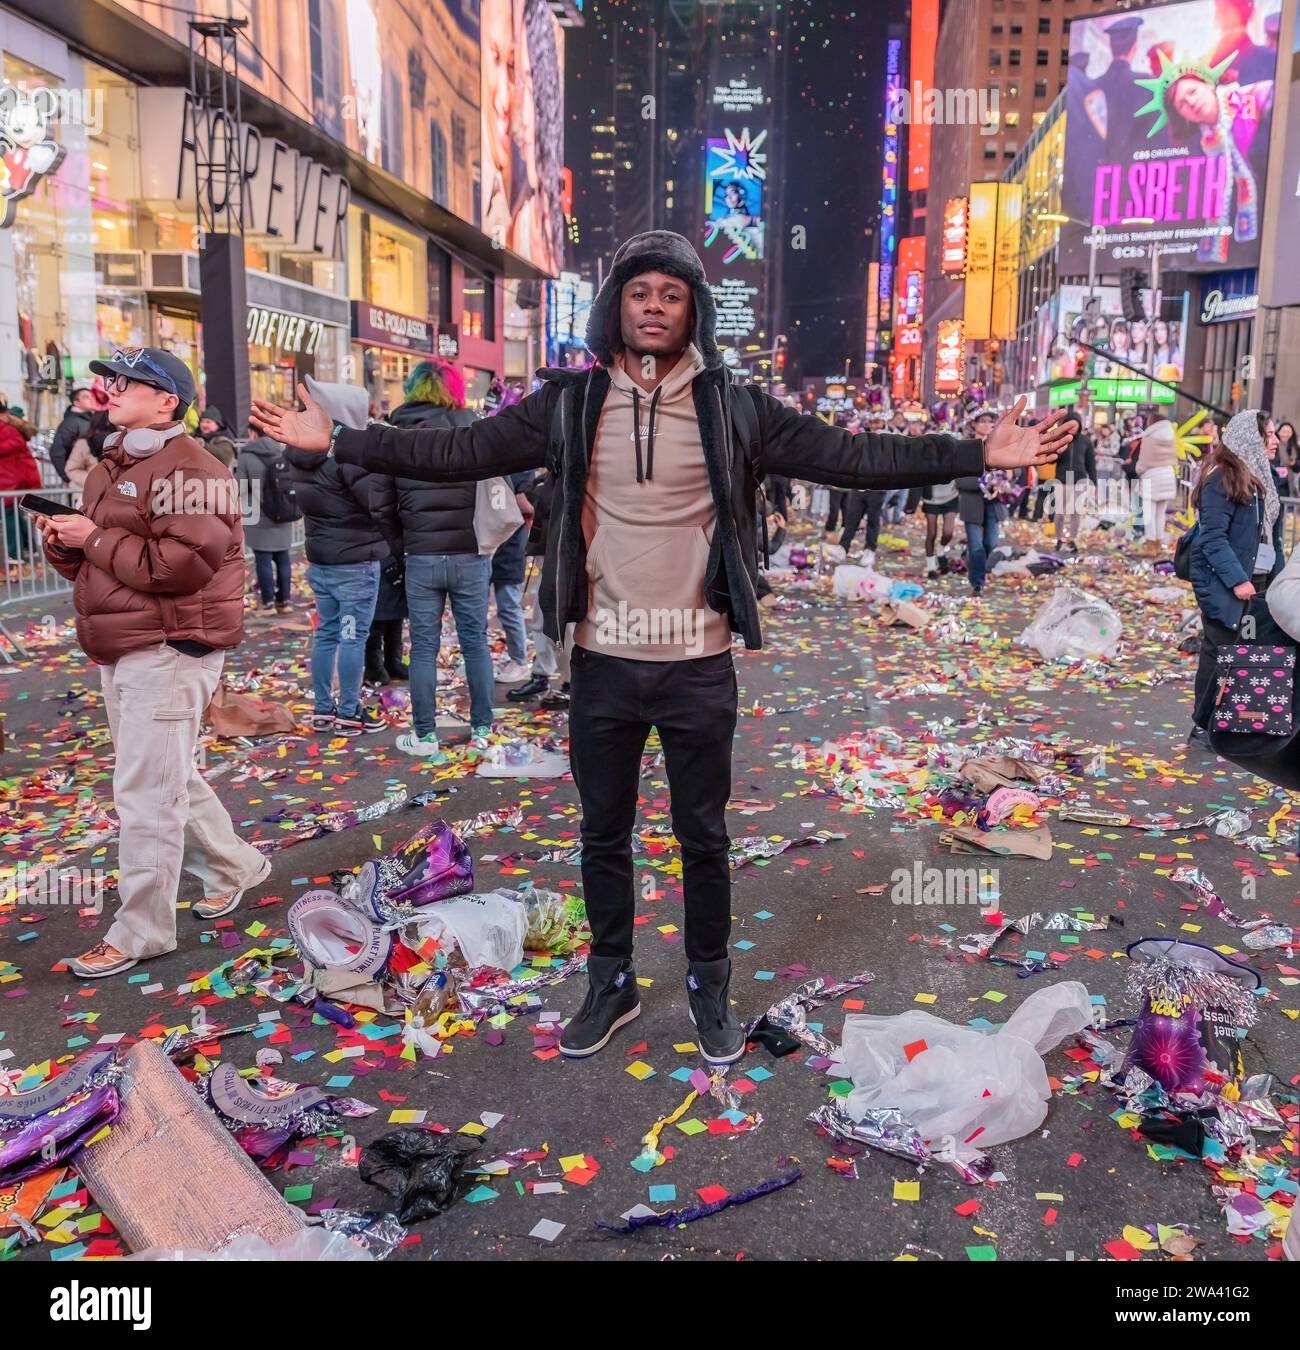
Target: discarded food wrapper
{"x": 790, "y": 1014}
{"x": 1093, "y": 815}
{"x": 438, "y": 866}
{"x": 1054, "y": 921}
{"x": 1036, "y": 843}
{"x": 987, "y": 772}
{"x": 52, "y": 1123}
{"x": 1195, "y": 1007}
{"x": 906, "y": 612}
{"x": 1194, "y": 880}
{"x": 954, "y": 1083}
{"x": 887, "y": 1130}
{"x": 556, "y": 923}
{"x": 750, "y": 848}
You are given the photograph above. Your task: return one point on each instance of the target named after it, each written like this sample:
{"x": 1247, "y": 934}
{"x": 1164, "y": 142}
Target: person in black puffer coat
{"x": 442, "y": 564}
{"x": 344, "y": 523}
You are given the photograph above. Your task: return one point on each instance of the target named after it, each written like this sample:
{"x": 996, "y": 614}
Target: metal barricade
{"x": 28, "y": 577}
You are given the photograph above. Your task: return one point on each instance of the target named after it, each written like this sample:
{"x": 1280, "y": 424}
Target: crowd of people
{"x": 630, "y": 493}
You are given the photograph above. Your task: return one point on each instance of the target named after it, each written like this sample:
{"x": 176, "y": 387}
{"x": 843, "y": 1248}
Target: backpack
{"x": 1183, "y": 553}
{"x": 280, "y": 492}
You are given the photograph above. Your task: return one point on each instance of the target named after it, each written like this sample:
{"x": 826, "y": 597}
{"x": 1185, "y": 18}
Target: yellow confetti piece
{"x": 639, "y": 1070}
{"x": 907, "y": 1190}
{"x": 1048, "y": 1195}
{"x": 925, "y": 998}
{"x": 1140, "y": 1238}
{"x": 472, "y": 1128}
{"x": 686, "y": 1048}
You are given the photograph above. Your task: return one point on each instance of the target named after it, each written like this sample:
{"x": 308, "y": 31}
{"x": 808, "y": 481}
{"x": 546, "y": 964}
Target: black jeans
{"x": 692, "y": 704}
{"x": 838, "y": 496}
{"x": 384, "y": 646}
{"x": 272, "y": 588}
{"x": 858, "y": 505}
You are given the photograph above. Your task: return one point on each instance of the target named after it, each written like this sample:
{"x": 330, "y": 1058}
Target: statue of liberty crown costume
{"x": 1215, "y": 140}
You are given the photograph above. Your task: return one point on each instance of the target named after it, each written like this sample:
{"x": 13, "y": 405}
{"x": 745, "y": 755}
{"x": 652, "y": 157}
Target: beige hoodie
{"x": 648, "y": 540}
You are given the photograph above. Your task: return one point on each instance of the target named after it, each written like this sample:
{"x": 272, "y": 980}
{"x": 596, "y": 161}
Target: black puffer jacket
{"x": 342, "y": 508}
{"x": 430, "y": 517}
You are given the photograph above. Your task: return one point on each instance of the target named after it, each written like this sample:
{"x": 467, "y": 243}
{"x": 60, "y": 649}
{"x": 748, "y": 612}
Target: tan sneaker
{"x": 218, "y": 906}
{"x": 99, "y": 961}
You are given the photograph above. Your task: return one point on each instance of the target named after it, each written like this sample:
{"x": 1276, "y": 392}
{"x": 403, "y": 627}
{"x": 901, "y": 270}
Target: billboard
{"x": 1168, "y": 116}
{"x": 734, "y": 176}
{"x": 981, "y": 240}
{"x": 925, "y": 38}
{"x": 950, "y": 357}
{"x": 952, "y": 259}
{"x": 1153, "y": 347}
{"x": 736, "y": 202}
{"x": 889, "y": 178}
{"x": 911, "y": 280}
{"x": 334, "y": 63}
{"x": 522, "y": 101}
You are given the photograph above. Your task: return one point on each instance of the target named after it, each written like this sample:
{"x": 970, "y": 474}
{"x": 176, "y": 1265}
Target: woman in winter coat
{"x": 1237, "y": 549}
{"x": 270, "y": 540}
{"x": 1156, "y": 463}
{"x": 18, "y": 473}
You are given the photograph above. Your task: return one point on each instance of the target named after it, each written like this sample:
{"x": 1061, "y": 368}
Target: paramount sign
{"x": 1217, "y": 307}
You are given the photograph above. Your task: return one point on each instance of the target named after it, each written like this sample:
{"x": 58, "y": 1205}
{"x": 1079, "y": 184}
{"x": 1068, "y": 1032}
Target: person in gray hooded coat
{"x": 270, "y": 540}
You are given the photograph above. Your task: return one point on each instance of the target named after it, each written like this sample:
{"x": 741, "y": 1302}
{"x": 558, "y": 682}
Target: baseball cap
{"x": 152, "y": 365}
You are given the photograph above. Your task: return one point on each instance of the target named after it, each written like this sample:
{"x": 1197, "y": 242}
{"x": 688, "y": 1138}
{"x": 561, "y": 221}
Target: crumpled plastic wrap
{"x": 1271, "y": 935}
{"x": 1194, "y": 880}
{"x": 489, "y": 999}
{"x": 1073, "y": 624}
{"x": 745, "y": 850}
{"x": 555, "y": 923}
{"x": 379, "y": 1234}
{"x": 790, "y": 1014}
{"x": 888, "y": 1131}
{"x": 1051, "y": 921}
{"x": 52, "y": 1123}
{"x": 420, "y": 1171}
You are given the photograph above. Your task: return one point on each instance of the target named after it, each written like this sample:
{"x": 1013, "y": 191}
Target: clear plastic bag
{"x": 961, "y": 1088}
{"x": 1073, "y": 624}
{"x": 860, "y": 583}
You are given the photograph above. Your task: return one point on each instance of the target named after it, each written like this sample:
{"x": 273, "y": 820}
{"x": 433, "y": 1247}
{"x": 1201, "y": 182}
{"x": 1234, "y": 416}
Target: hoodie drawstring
{"x": 649, "y": 471}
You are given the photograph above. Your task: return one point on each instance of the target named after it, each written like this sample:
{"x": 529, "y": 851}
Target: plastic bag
{"x": 418, "y": 1169}
{"x": 488, "y": 928}
{"x": 311, "y": 1244}
{"x": 1073, "y": 624}
{"x": 860, "y": 583}
{"x": 556, "y": 923}
{"x": 961, "y": 1086}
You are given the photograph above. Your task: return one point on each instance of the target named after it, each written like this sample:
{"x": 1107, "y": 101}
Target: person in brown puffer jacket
{"x": 157, "y": 566}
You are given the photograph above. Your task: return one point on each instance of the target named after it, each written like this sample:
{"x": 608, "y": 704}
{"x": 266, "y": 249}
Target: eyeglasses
{"x": 119, "y": 384}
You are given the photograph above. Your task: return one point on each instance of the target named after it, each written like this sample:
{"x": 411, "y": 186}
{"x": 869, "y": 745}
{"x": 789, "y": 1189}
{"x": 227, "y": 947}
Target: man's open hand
{"x": 306, "y": 430}
{"x": 1013, "y": 447}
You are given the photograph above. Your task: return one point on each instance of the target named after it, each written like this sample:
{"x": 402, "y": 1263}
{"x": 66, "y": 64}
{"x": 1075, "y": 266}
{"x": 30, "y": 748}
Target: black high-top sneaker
{"x": 612, "y": 1001}
{"x": 722, "y": 1038}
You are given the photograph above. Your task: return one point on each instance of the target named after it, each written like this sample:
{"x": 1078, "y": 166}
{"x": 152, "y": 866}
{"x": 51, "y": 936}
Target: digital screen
{"x": 734, "y": 178}
{"x": 1168, "y": 116}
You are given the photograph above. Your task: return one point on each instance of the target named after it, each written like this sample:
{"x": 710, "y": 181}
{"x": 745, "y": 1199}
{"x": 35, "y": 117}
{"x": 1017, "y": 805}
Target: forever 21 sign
{"x": 280, "y": 193}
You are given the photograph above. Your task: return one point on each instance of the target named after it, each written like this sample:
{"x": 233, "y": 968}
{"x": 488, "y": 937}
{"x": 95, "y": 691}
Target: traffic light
{"x": 778, "y": 355}
{"x": 1130, "y": 293}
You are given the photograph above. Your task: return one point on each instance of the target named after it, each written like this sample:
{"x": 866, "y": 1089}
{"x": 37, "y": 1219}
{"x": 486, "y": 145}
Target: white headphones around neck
{"x": 144, "y": 440}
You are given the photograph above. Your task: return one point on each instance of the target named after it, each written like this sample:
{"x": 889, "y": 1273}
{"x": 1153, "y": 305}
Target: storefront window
{"x": 47, "y": 264}
{"x": 388, "y": 265}
{"x": 478, "y": 317}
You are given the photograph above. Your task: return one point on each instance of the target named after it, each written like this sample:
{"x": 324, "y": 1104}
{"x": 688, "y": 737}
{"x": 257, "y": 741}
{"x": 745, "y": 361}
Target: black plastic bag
{"x": 420, "y": 1170}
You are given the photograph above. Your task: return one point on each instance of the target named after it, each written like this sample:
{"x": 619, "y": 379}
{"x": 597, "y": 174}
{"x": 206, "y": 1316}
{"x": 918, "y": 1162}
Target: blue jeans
{"x": 981, "y": 540}
{"x": 345, "y": 600}
{"x": 273, "y": 587}
{"x": 895, "y": 501}
{"x": 432, "y": 579}
{"x": 510, "y": 613}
